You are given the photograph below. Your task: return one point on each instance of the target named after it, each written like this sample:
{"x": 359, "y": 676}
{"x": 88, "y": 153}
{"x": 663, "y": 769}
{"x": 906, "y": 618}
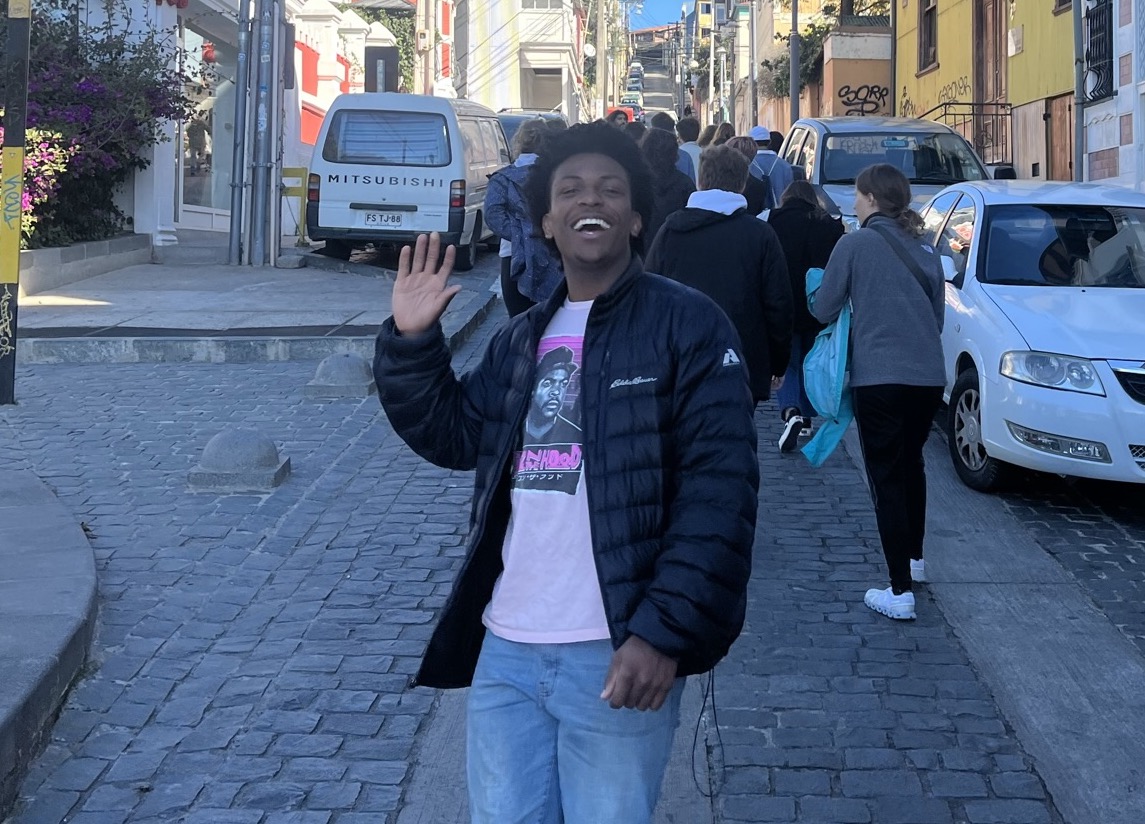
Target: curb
{"x": 47, "y": 610}
{"x": 458, "y": 324}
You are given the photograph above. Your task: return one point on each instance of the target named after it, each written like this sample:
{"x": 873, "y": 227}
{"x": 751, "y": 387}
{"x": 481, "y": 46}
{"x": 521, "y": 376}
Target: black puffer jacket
{"x": 737, "y": 261}
{"x": 808, "y": 236}
{"x": 670, "y": 459}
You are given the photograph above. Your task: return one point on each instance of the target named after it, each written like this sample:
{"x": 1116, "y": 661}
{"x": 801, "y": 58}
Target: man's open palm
{"x": 420, "y": 292}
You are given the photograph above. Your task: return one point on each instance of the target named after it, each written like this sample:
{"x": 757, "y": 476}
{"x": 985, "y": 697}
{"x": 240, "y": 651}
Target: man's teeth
{"x": 586, "y": 222}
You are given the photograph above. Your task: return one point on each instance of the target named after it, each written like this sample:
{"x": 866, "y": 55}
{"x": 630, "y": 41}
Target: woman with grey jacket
{"x": 897, "y": 293}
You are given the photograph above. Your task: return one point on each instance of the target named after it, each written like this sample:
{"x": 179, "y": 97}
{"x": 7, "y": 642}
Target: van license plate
{"x": 384, "y": 220}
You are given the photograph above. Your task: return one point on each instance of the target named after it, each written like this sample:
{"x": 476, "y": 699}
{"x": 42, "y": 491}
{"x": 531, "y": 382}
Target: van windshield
{"x": 386, "y": 138}
{"x": 935, "y": 159}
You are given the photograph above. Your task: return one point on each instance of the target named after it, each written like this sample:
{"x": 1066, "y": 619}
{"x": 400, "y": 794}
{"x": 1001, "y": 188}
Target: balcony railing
{"x": 1099, "y": 51}
{"x": 985, "y": 125}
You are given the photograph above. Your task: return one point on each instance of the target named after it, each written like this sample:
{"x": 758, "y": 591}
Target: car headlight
{"x": 851, "y": 223}
{"x": 1053, "y": 371}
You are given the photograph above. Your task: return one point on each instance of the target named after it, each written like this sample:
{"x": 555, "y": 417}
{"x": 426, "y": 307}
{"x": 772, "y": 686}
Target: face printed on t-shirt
{"x": 551, "y": 458}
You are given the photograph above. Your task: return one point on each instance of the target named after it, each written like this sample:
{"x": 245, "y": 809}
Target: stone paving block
{"x": 835, "y": 810}
{"x": 767, "y": 808}
{"x": 1007, "y": 811}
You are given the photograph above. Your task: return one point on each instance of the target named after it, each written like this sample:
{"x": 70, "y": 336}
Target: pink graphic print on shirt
{"x": 551, "y": 458}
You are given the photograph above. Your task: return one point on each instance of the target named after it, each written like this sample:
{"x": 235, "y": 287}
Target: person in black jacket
{"x": 671, "y": 188}
{"x": 808, "y": 235}
{"x": 715, "y": 246}
{"x": 600, "y": 571}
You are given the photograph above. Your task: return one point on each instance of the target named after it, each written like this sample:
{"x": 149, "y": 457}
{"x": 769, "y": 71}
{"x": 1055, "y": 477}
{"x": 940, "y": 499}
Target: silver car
{"x": 829, "y": 152}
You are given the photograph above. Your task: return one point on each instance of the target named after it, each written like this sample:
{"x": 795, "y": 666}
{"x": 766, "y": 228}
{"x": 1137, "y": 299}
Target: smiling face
{"x": 590, "y": 215}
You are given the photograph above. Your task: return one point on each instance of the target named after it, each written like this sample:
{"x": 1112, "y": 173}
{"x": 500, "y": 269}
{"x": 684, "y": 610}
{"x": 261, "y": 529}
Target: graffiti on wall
{"x": 868, "y": 98}
{"x": 907, "y": 107}
{"x": 955, "y": 90}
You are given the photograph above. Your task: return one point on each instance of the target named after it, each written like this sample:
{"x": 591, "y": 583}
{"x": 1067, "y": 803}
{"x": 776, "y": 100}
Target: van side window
{"x": 387, "y": 138}
{"x": 474, "y": 146}
{"x": 495, "y": 139}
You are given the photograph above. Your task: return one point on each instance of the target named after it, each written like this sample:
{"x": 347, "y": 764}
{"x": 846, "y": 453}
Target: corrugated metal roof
{"x": 866, "y": 21}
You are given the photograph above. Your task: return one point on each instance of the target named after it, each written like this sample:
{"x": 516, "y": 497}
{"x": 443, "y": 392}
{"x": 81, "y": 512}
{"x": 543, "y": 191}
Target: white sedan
{"x": 1045, "y": 328}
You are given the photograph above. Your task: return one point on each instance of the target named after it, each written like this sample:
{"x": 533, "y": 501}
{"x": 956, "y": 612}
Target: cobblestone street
{"x": 253, "y": 651}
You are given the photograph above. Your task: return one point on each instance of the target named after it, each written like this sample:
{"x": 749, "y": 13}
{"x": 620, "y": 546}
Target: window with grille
{"x": 927, "y": 34}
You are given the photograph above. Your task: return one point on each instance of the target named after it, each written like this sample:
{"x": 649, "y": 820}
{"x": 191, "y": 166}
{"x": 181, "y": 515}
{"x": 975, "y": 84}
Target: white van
{"x": 388, "y": 167}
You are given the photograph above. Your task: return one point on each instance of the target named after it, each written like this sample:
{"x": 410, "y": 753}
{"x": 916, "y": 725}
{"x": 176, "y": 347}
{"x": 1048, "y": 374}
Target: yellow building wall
{"x": 1044, "y": 67}
{"x": 810, "y": 11}
{"x": 917, "y": 93}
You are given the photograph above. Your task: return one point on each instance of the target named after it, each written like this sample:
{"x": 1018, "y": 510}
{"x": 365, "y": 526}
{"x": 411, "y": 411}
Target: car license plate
{"x": 384, "y": 220}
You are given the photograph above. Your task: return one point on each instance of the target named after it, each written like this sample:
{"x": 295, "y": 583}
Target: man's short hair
{"x": 663, "y": 121}
{"x": 590, "y": 138}
{"x": 559, "y": 358}
{"x": 688, "y": 129}
{"x": 722, "y": 167}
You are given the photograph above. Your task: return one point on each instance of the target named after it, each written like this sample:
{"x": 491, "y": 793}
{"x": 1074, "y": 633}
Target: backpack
{"x": 769, "y": 199}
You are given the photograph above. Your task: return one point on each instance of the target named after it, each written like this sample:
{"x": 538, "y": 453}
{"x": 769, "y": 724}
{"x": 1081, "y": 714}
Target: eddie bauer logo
{"x": 386, "y": 180}
{"x": 631, "y": 381}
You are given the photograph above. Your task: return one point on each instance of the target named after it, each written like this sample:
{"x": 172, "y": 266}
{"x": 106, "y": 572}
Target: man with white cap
{"x": 768, "y": 165}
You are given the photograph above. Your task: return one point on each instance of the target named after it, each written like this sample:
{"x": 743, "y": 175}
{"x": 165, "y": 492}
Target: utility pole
{"x": 12, "y": 188}
{"x": 794, "y": 86}
{"x": 602, "y": 56}
{"x": 238, "y": 157}
{"x": 1079, "y": 92}
{"x": 712, "y": 66}
{"x": 260, "y": 177}
{"x": 753, "y": 108}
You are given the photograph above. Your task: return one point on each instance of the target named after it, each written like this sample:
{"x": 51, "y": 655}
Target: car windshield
{"x": 1063, "y": 245}
{"x": 935, "y": 159}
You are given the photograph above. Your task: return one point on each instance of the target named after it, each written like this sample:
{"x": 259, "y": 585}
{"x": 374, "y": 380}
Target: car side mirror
{"x": 949, "y": 271}
{"x": 1005, "y": 173}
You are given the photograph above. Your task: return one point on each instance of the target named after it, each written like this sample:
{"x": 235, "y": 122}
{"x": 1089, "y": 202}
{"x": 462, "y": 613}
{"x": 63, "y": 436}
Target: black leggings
{"x": 894, "y": 422}
{"x": 515, "y": 302}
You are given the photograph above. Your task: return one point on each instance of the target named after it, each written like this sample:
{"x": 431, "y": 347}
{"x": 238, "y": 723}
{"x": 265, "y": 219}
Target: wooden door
{"x": 1059, "y": 137}
{"x": 991, "y": 125}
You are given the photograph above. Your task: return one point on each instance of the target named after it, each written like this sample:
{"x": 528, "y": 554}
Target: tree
{"x": 401, "y": 26}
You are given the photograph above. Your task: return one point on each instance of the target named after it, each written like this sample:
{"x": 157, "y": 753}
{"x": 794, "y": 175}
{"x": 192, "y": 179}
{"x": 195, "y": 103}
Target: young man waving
{"x": 614, "y": 506}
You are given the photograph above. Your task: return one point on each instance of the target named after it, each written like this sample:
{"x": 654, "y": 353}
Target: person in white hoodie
{"x": 716, "y": 246}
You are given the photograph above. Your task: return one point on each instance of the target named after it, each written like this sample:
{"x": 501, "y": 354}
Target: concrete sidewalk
{"x": 47, "y": 611}
{"x": 212, "y": 313}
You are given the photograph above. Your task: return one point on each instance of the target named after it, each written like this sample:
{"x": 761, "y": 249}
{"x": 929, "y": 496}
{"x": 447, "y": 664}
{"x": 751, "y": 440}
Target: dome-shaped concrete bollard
{"x": 345, "y": 375}
{"x": 240, "y": 460}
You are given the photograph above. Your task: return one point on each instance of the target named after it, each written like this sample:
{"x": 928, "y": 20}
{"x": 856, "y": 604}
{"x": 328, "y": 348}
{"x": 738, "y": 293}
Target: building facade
{"x": 188, "y": 181}
{"x": 1009, "y": 86}
{"x": 526, "y": 54}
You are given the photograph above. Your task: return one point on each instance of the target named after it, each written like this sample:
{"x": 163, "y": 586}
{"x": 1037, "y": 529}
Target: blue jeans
{"x": 542, "y": 744}
{"x": 792, "y": 394}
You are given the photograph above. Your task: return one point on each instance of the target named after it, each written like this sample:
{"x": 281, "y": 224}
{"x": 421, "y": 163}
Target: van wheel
{"x": 339, "y": 249}
{"x": 974, "y": 467}
{"x": 467, "y": 254}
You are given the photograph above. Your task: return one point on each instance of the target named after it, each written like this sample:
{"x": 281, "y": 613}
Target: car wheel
{"x": 339, "y": 249}
{"x": 975, "y": 468}
{"x": 467, "y": 255}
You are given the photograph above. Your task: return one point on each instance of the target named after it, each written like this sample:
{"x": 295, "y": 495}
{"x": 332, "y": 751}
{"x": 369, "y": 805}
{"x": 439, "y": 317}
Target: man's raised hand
{"x": 420, "y": 294}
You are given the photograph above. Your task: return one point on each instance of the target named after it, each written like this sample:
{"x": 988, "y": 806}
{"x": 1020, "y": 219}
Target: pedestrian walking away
{"x": 715, "y": 246}
{"x": 688, "y": 130}
{"x": 897, "y": 292}
{"x": 670, "y": 188}
{"x": 530, "y": 272}
{"x": 768, "y": 165}
{"x": 662, "y": 121}
{"x": 614, "y": 501}
{"x": 755, "y": 191}
{"x": 808, "y": 236}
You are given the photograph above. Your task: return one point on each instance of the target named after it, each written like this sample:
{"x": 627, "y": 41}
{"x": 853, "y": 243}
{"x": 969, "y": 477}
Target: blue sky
{"x": 656, "y": 13}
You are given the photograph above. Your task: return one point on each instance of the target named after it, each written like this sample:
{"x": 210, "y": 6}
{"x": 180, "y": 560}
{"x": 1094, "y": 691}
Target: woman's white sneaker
{"x": 899, "y": 607}
{"x": 918, "y": 571}
{"x": 790, "y": 437}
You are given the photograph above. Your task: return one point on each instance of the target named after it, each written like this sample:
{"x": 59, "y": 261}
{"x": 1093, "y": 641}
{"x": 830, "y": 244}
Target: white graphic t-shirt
{"x": 549, "y": 592}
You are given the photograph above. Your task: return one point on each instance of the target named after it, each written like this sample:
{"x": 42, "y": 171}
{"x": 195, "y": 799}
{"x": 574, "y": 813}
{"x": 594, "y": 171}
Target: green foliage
{"x": 402, "y": 27}
{"x": 775, "y": 75}
{"x": 106, "y": 92}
